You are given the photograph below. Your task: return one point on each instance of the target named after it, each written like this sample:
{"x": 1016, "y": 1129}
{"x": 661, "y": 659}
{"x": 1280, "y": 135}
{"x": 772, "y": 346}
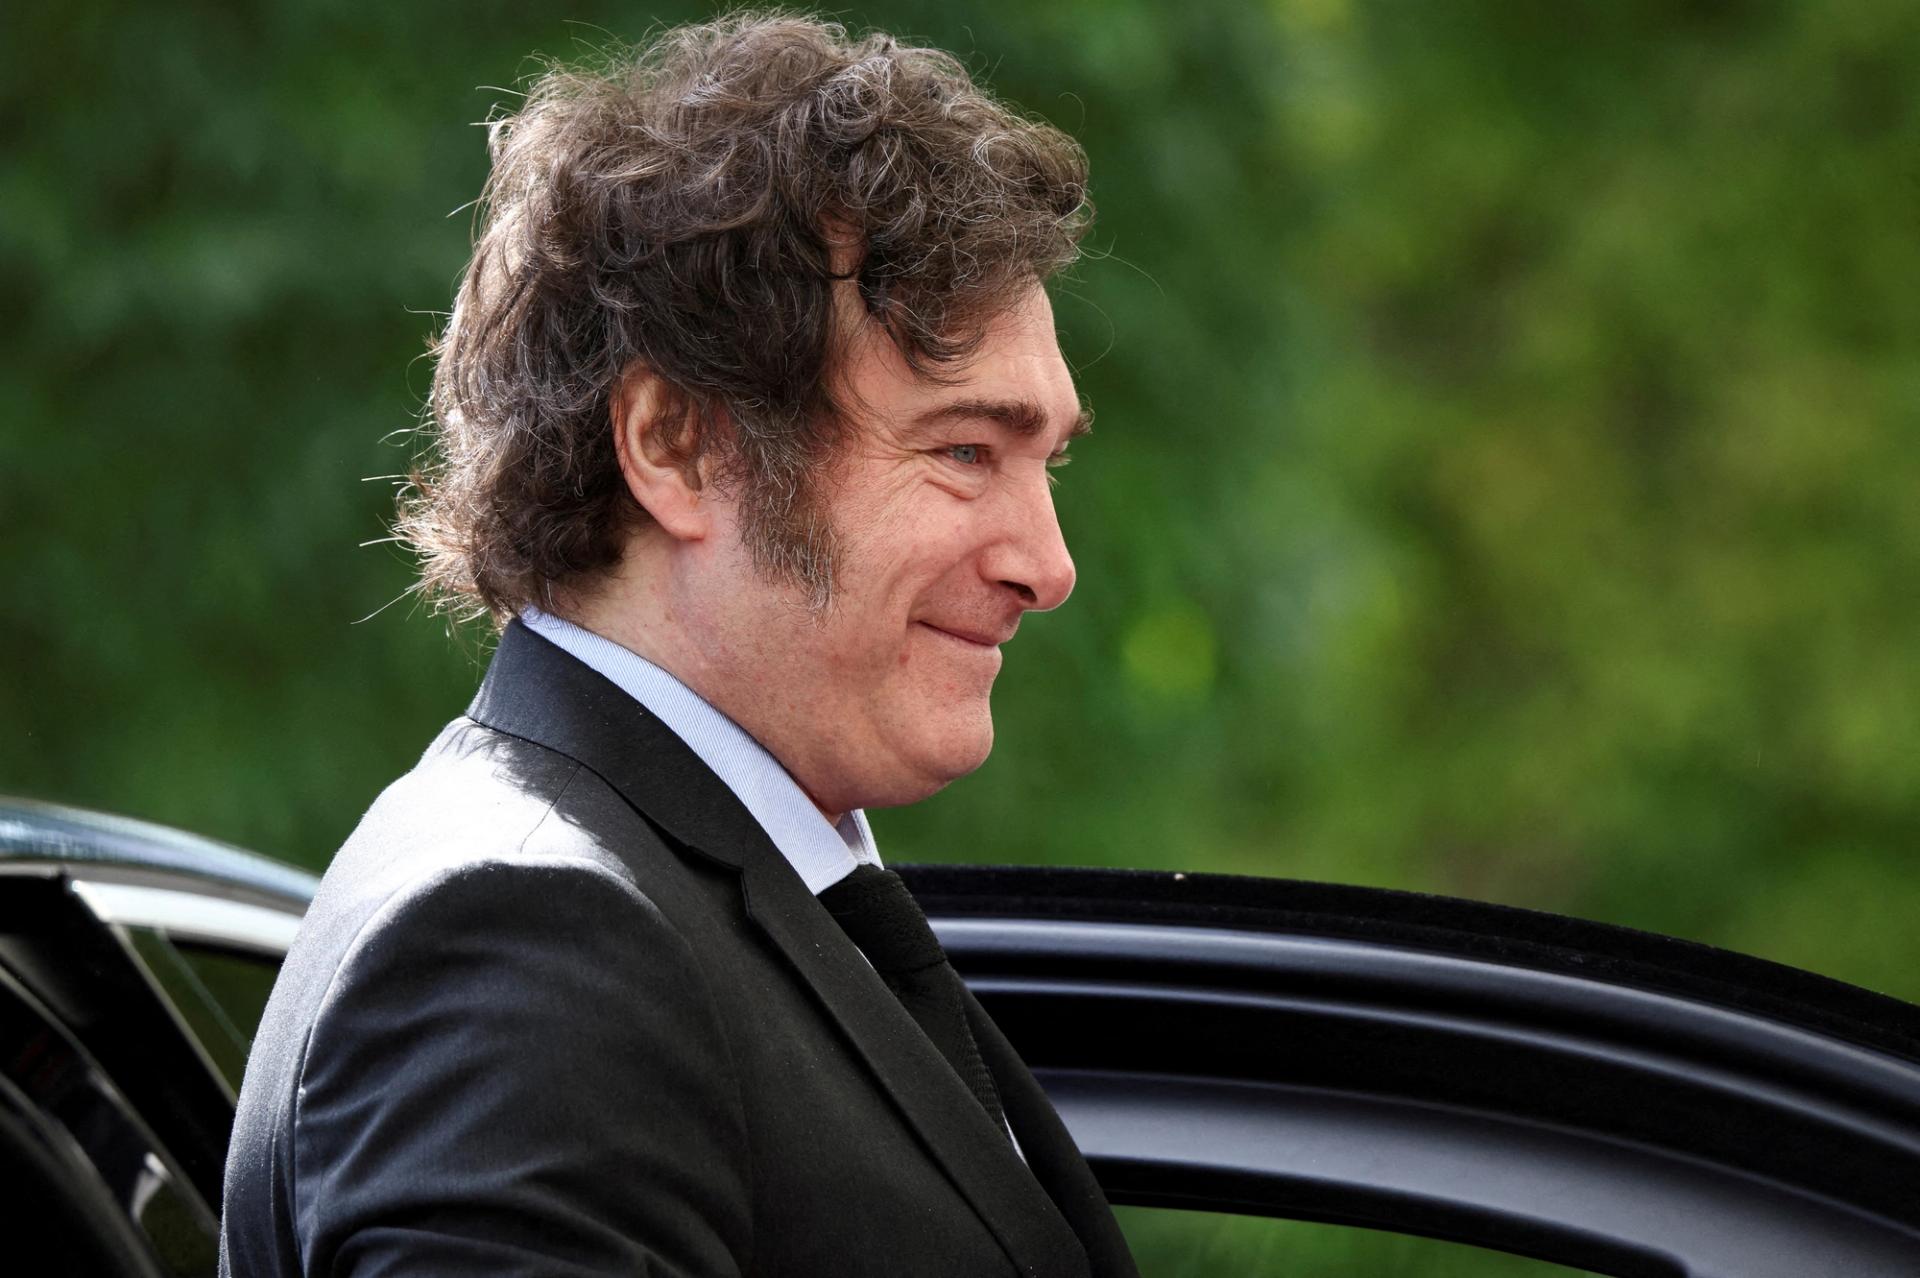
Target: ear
{"x": 648, "y": 421}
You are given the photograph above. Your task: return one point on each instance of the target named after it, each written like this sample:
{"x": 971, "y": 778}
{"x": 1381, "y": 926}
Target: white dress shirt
{"x": 820, "y": 851}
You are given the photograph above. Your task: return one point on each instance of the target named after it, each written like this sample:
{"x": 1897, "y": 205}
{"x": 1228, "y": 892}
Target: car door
{"x": 1267, "y": 1076}
{"x": 1599, "y": 1098}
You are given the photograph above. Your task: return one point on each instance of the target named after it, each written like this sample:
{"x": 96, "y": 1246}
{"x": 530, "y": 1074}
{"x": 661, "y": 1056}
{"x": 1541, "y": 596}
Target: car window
{"x": 1197, "y": 1244}
{"x": 239, "y": 982}
{"x": 218, "y": 993}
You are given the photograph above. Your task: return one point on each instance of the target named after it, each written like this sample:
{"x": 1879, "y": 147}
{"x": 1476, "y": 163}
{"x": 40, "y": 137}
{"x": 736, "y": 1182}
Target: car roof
{"x": 34, "y": 832}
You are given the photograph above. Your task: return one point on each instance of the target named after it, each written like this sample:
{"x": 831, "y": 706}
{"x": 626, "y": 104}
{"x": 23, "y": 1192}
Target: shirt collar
{"x": 821, "y": 852}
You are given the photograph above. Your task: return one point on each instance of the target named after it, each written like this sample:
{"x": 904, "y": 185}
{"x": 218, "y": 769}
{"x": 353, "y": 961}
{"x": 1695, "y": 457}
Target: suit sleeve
{"x": 518, "y": 1070}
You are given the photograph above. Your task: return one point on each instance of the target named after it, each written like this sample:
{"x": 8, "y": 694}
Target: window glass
{"x": 237, "y": 981}
{"x": 219, "y": 994}
{"x": 206, "y": 1021}
{"x": 1199, "y": 1244}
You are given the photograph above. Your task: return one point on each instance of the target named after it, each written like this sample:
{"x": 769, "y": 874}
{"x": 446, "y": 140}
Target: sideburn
{"x": 788, "y": 528}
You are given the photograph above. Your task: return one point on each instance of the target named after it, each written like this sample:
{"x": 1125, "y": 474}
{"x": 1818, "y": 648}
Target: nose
{"x": 1031, "y": 559}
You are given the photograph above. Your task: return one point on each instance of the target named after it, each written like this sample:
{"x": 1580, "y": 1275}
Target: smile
{"x": 978, "y": 643}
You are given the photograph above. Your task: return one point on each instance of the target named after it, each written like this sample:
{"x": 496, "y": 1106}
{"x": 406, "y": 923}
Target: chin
{"x": 938, "y": 760}
{"x": 962, "y": 748}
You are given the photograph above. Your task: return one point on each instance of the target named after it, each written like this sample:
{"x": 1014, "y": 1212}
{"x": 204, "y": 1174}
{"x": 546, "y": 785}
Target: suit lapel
{"x": 535, "y": 691}
{"x": 976, "y": 1154}
{"x": 1051, "y": 1153}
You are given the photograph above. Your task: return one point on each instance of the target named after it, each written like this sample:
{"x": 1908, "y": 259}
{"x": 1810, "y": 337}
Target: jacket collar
{"x": 537, "y": 692}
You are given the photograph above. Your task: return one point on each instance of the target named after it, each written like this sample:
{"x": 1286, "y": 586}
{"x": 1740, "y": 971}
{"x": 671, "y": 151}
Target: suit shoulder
{"x": 476, "y": 795}
{"x": 477, "y": 798}
{"x": 474, "y": 786}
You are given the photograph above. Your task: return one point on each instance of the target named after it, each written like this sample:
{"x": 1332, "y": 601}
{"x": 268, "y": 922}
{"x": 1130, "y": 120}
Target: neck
{"x": 631, "y": 608}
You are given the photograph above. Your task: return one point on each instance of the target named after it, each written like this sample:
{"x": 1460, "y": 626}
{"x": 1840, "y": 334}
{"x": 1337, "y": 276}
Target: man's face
{"x": 943, "y": 514}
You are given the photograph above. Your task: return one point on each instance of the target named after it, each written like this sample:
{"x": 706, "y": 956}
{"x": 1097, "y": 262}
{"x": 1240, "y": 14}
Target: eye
{"x": 967, "y": 454}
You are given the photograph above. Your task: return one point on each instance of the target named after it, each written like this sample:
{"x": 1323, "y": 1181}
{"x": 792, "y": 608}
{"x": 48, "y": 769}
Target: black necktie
{"x": 880, "y": 916}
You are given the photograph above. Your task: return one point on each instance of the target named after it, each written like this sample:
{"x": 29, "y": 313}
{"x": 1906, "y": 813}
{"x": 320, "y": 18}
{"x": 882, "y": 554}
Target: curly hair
{"x": 685, "y": 211}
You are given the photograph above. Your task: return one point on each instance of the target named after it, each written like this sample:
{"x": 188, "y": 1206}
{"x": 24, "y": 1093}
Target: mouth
{"x": 979, "y": 640}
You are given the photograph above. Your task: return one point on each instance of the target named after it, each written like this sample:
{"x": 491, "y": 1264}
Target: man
{"x": 745, "y": 416}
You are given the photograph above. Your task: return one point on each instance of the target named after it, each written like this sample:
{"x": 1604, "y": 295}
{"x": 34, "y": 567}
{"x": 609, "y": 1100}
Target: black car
{"x": 1583, "y": 1094}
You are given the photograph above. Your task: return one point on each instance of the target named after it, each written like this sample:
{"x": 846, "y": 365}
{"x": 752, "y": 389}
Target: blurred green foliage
{"x": 1505, "y": 481}
{"x": 1170, "y": 1243}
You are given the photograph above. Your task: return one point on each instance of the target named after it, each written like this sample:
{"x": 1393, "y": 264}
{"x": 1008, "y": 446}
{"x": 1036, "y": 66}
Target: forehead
{"x": 1015, "y": 376}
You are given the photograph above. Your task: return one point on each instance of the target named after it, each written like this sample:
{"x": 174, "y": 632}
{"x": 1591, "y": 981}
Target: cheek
{"x": 930, "y": 682}
{"x": 894, "y": 570}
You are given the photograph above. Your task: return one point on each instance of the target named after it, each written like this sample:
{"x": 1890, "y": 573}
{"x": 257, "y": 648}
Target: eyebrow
{"x": 1021, "y": 416}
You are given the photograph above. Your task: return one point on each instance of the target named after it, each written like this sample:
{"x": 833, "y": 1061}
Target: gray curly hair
{"x": 681, "y": 211}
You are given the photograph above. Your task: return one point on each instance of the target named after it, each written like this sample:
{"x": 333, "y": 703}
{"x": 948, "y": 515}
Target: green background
{"x": 1504, "y": 478}
{"x": 1504, "y": 484}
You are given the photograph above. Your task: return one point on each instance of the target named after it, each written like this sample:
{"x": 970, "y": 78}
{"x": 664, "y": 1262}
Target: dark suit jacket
{"x": 561, "y": 1008}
